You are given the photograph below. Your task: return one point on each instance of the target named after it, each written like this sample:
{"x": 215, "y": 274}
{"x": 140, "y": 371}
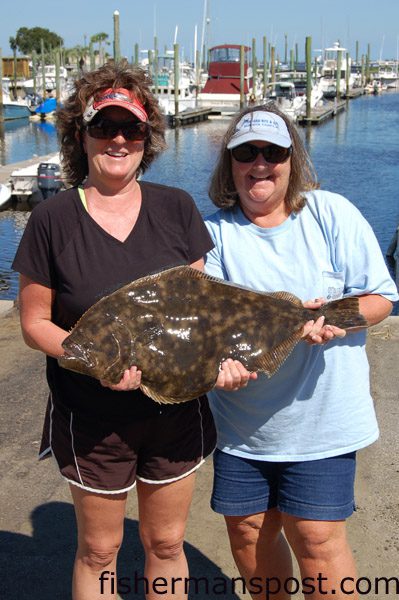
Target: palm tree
{"x": 100, "y": 38}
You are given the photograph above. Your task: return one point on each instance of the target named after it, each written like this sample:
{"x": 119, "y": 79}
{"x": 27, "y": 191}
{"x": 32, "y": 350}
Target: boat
{"x": 222, "y": 88}
{"x": 49, "y": 79}
{"x": 291, "y": 97}
{"x": 5, "y": 196}
{"x": 47, "y": 107}
{"x": 164, "y": 85}
{"x": 284, "y": 95}
{"x": 15, "y": 109}
{"x": 328, "y": 80}
{"x": 25, "y": 184}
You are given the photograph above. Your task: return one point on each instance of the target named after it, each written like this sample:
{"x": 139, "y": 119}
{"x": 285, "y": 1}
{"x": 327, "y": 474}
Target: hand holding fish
{"x": 233, "y": 375}
{"x": 131, "y": 380}
{"x": 315, "y": 332}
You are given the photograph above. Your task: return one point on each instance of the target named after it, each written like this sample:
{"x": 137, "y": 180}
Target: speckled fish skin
{"x": 179, "y": 325}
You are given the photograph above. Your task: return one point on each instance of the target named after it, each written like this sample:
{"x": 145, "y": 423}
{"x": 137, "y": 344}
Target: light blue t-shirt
{"x": 318, "y": 404}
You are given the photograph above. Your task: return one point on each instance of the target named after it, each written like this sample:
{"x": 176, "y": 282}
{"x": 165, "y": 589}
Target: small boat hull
{"x": 15, "y": 111}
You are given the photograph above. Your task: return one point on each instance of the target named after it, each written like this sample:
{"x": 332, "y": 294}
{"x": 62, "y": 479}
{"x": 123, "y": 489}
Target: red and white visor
{"x": 115, "y": 97}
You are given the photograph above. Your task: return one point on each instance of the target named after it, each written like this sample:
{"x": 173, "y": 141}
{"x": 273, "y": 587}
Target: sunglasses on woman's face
{"x": 106, "y": 129}
{"x": 247, "y": 153}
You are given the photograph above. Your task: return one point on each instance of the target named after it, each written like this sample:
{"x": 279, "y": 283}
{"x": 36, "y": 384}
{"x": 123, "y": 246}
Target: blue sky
{"x": 230, "y": 21}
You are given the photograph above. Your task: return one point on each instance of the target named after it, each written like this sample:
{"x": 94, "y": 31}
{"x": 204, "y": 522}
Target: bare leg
{"x": 323, "y": 554}
{"x": 100, "y": 532}
{"x": 261, "y": 551}
{"x": 163, "y": 510}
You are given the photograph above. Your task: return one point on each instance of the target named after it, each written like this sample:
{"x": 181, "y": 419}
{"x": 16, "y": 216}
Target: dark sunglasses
{"x": 247, "y": 153}
{"x": 106, "y": 129}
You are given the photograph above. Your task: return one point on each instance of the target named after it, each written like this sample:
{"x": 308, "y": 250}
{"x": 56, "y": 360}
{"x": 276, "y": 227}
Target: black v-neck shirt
{"x": 63, "y": 248}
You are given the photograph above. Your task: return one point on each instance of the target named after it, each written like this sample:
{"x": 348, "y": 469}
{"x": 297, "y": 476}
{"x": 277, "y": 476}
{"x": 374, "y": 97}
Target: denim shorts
{"x": 320, "y": 490}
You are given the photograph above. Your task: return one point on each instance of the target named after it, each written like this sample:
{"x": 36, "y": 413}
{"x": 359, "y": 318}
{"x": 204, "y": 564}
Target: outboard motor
{"x": 49, "y": 179}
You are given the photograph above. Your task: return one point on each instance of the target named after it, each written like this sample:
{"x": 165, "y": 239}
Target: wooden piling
{"x": 176, "y": 76}
{"x": 57, "y": 77}
{"x": 117, "y": 47}
{"x": 265, "y": 68}
{"x": 34, "y": 71}
{"x": 156, "y": 65}
{"x": 44, "y": 91}
{"x": 308, "y": 56}
{"x": 242, "y": 80}
{"x": 254, "y": 65}
{"x": 273, "y": 64}
{"x": 338, "y": 75}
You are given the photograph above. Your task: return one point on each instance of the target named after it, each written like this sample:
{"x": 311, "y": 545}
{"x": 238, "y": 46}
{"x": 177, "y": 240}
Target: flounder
{"x": 179, "y": 325}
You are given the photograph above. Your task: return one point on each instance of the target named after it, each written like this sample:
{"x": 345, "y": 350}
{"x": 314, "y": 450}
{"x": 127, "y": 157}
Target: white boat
{"x": 328, "y": 81}
{"x": 5, "y": 196}
{"x": 24, "y": 182}
{"x": 388, "y": 77}
{"x": 284, "y": 95}
{"x": 15, "y": 109}
{"x": 49, "y": 79}
{"x": 164, "y": 85}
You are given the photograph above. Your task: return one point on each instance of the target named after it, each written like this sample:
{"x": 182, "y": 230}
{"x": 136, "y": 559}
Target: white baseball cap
{"x": 262, "y": 126}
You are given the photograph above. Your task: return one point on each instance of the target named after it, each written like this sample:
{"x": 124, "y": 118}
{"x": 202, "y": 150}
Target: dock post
{"x": 285, "y": 49}
{"x": 265, "y": 67}
{"x": 363, "y": 71}
{"x": 292, "y": 60}
{"x": 34, "y": 71}
{"x": 197, "y": 75}
{"x": 156, "y": 65}
{"x": 117, "y": 47}
{"x": 136, "y": 54}
{"x": 57, "y": 77}
{"x": 338, "y": 76}
{"x": 254, "y": 66}
{"x": 308, "y": 55}
{"x": 347, "y": 76}
{"x": 176, "y": 78}
{"x": 273, "y": 65}
{"x": 368, "y": 64}
{"x": 357, "y": 53}
{"x": 43, "y": 69}
{"x": 242, "y": 78}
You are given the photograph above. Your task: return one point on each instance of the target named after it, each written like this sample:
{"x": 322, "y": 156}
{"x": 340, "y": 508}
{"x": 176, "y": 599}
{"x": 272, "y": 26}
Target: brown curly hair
{"x": 302, "y": 176}
{"x": 69, "y": 117}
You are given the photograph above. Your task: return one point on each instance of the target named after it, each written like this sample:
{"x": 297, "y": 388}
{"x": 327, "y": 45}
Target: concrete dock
{"x": 37, "y": 530}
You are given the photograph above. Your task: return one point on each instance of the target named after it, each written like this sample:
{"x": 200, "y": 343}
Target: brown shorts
{"x": 106, "y": 455}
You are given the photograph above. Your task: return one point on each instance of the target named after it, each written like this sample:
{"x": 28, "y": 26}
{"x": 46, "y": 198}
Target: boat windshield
{"x": 225, "y": 55}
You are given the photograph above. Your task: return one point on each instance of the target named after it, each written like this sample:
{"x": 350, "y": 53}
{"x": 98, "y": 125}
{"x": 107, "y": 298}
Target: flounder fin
{"x": 160, "y": 398}
{"x": 343, "y": 313}
{"x": 285, "y": 296}
{"x": 270, "y": 362}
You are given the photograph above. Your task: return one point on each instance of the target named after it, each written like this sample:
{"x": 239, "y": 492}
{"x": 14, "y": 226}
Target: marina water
{"x": 355, "y": 154}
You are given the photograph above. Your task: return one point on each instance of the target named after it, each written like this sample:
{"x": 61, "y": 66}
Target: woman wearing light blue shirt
{"x": 285, "y": 459}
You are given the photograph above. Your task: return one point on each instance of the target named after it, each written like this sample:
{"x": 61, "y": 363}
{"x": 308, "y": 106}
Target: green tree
{"x": 28, "y": 39}
{"x": 100, "y": 39}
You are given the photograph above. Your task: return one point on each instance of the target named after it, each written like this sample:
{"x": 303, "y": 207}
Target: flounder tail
{"x": 343, "y": 313}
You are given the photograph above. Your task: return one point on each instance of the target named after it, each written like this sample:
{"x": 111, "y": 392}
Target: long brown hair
{"x": 70, "y": 121}
{"x": 303, "y": 177}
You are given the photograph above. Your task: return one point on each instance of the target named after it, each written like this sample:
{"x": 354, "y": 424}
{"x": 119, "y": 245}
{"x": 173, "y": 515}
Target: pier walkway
{"x": 37, "y": 530}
